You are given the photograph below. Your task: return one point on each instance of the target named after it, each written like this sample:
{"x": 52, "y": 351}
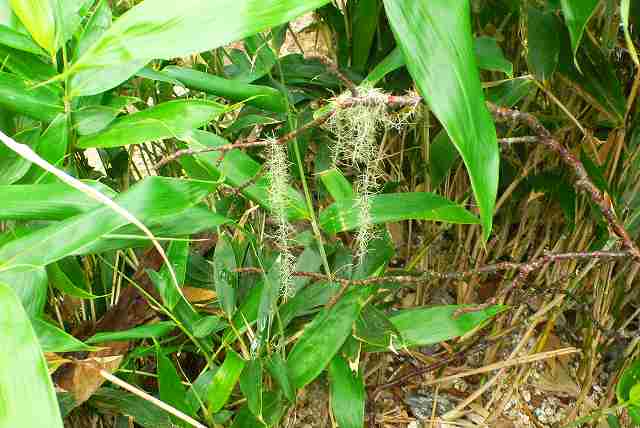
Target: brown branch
{"x": 244, "y": 145}
{"x": 583, "y": 182}
{"x": 421, "y": 276}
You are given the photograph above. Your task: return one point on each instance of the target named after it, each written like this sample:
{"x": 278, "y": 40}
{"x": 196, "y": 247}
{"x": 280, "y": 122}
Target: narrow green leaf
{"x": 489, "y": 56}
{"x": 630, "y": 378}
{"x": 251, "y": 385}
{"x": 147, "y": 331}
{"x": 224, "y": 380}
{"x": 392, "y": 207}
{"x": 53, "y": 339}
{"x": 390, "y": 63}
{"x": 157, "y": 29}
{"x": 150, "y": 198}
{"x": 543, "y": 42}
{"x": 435, "y": 38}
{"x": 170, "y": 385}
{"x": 442, "y": 157}
{"x": 208, "y": 325}
{"x": 19, "y": 96}
{"x": 178, "y": 255}
{"x": 96, "y": 26}
{"x": 268, "y": 299}
{"x": 30, "y": 67}
{"x": 263, "y": 97}
{"x": 27, "y": 397}
{"x": 322, "y": 338}
{"x": 347, "y": 394}
{"x": 62, "y": 282}
{"x": 94, "y": 118}
{"x": 225, "y": 281}
{"x": 12, "y": 165}
{"x": 143, "y": 412}
{"x": 278, "y": 369}
{"x": 52, "y": 147}
{"x": 576, "y": 16}
{"x": 39, "y": 19}
{"x": 171, "y": 119}
{"x": 30, "y": 285}
{"x": 365, "y": 23}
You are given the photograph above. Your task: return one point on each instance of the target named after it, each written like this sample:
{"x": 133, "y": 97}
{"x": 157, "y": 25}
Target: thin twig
{"x": 244, "y": 145}
{"x": 583, "y": 182}
{"x": 421, "y": 276}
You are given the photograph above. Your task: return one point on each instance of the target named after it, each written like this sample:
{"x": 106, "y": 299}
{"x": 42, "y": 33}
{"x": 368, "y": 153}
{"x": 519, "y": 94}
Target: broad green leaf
{"x": 337, "y": 185}
{"x": 489, "y": 56}
{"x": 27, "y": 397}
{"x": 30, "y": 67}
{"x": 625, "y": 8}
{"x": 142, "y": 411}
{"x": 53, "y": 339}
{"x": 171, "y": 119}
{"x": 19, "y": 96}
{"x": 426, "y": 326}
{"x": 30, "y": 285}
{"x": 392, "y": 207}
{"x": 152, "y": 197}
{"x": 224, "y": 262}
{"x": 347, "y": 394}
{"x": 543, "y": 42}
{"x": 263, "y": 97}
{"x": 365, "y": 24}
{"x": 158, "y": 29}
{"x": 224, "y": 380}
{"x": 147, "y": 331}
{"x": 374, "y": 328}
{"x": 96, "y": 26}
{"x": 170, "y": 385}
{"x": 38, "y": 16}
{"x": 576, "y": 16}
{"x": 511, "y": 92}
{"x": 630, "y": 378}
{"x": 323, "y": 336}
{"x": 435, "y": 38}
{"x": 208, "y": 325}
{"x": 16, "y": 40}
{"x": 94, "y": 118}
{"x": 238, "y": 169}
{"x": 251, "y": 385}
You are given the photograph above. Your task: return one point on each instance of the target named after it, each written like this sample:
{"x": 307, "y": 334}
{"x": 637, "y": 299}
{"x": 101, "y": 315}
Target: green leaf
{"x": 94, "y": 118}
{"x": 16, "y": 40}
{"x": 30, "y": 285}
{"x": 53, "y": 339}
{"x": 489, "y": 56}
{"x": 150, "y": 198}
{"x": 224, "y": 380}
{"x": 543, "y": 42}
{"x": 576, "y": 16}
{"x": 62, "y": 282}
{"x": 323, "y": 336}
{"x": 147, "y": 331}
{"x": 39, "y": 19}
{"x": 390, "y": 63}
{"x": 337, "y": 185}
{"x": 392, "y": 207}
{"x": 511, "y": 92}
{"x": 119, "y": 402}
{"x": 268, "y": 299}
{"x": 442, "y": 157}
{"x": 27, "y": 397}
{"x": 263, "y": 97}
{"x": 32, "y": 68}
{"x": 426, "y": 326}
{"x": 170, "y": 385}
{"x": 178, "y": 255}
{"x": 96, "y": 26}
{"x": 14, "y": 166}
{"x": 629, "y": 380}
{"x": 157, "y": 29}
{"x": 251, "y": 385}
{"x": 225, "y": 281}
{"x": 208, "y": 325}
{"x": 166, "y": 120}
{"x": 435, "y": 38}
{"x": 19, "y": 96}
{"x": 347, "y": 394}
{"x": 52, "y": 147}
{"x": 278, "y": 369}
{"x": 365, "y": 23}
